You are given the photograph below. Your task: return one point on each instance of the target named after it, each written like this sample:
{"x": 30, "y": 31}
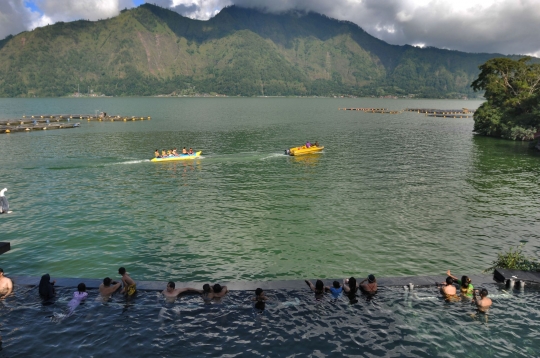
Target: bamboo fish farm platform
{"x": 57, "y": 121}
{"x": 430, "y": 112}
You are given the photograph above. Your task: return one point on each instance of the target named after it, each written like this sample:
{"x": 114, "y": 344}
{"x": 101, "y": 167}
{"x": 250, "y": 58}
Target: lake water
{"x": 391, "y": 194}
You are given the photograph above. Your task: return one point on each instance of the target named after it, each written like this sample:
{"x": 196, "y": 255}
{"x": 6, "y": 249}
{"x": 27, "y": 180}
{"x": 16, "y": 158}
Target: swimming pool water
{"x": 394, "y": 323}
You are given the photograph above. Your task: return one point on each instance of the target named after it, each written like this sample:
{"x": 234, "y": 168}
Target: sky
{"x": 493, "y": 26}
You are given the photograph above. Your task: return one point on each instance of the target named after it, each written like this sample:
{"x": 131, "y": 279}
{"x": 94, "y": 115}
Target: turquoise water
{"x": 391, "y": 194}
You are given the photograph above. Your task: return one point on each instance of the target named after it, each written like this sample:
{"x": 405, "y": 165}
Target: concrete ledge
{"x": 4, "y": 247}
{"x": 92, "y": 283}
{"x": 502, "y": 275}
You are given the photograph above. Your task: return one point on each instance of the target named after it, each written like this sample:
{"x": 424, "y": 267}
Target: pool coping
{"x": 91, "y": 283}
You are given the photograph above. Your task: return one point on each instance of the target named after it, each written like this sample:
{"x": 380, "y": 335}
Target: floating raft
{"x": 371, "y": 110}
{"x": 441, "y": 111}
{"x": 57, "y": 121}
{"x": 442, "y": 115}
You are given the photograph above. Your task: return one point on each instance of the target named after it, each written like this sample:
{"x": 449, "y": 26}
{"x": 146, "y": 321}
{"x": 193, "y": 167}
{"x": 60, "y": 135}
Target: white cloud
{"x": 505, "y": 26}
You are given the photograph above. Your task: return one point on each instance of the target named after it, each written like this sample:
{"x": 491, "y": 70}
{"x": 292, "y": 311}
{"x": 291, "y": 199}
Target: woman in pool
{"x": 319, "y": 289}
{"x": 465, "y": 286}
{"x": 78, "y": 296}
{"x": 46, "y": 288}
{"x": 350, "y": 287}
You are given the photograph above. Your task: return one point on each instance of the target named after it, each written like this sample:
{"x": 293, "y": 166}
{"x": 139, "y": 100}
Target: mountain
{"x": 151, "y": 50}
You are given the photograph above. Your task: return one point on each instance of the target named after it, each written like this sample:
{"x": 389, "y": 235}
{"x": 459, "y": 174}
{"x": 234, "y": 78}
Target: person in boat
{"x": 190, "y": 151}
{"x": 163, "y": 153}
{"x": 174, "y": 152}
{"x": 169, "y": 152}
{"x": 184, "y": 150}
{"x": 465, "y": 286}
{"x": 156, "y": 154}
{"x": 316, "y": 144}
{"x": 308, "y": 144}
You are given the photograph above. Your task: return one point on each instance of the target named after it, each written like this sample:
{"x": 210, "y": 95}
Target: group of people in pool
{"x": 467, "y": 292}
{"x": 349, "y": 289}
{"x": 172, "y": 152}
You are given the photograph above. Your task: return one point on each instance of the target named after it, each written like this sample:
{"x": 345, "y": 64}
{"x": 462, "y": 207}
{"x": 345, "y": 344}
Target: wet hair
{"x": 217, "y": 288}
{"x": 260, "y": 305}
{"x": 449, "y": 280}
{"x": 121, "y": 270}
{"x": 156, "y": 150}
{"x": 319, "y": 286}
{"x": 81, "y": 287}
{"x": 352, "y": 292}
{"x": 1, "y": 269}
{"x": 107, "y": 281}
{"x": 371, "y": 278}
{"x": 258, "y": 291}
{"x": 171, "y": 284}
{"x": 484, "y": 292}
{"x": 336, "y": 284}
{"x": 206, "y": 287}
{"x": 465, "y": 280}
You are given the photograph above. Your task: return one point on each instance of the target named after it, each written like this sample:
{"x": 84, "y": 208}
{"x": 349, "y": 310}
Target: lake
{"x": 392, "y": 195}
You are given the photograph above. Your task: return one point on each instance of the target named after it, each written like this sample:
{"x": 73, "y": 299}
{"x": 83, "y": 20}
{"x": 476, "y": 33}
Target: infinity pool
{"x": 394, "y": 323}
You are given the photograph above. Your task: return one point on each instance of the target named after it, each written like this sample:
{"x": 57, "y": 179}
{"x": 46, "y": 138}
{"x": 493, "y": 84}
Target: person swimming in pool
{"x": 107, "y": 288}
{"x": 465, "y": 286}
{"x": 449, "y": 290}
{"x": 351, "y": 287}
{"x": 130, "y": 287}
{"x": 335, "y": 290}
{"x": 370, "y": 287}
{"x": 482, "y": 301}
{"x": 171, "y": 293}
{"x": 318, "y": 289}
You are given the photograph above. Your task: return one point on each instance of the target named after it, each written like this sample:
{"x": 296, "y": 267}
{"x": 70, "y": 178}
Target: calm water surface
{"x": 391, "y": 194}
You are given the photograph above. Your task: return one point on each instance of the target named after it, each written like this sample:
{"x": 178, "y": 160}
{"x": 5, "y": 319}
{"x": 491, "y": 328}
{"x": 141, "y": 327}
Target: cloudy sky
{"x": 502, "y": 26}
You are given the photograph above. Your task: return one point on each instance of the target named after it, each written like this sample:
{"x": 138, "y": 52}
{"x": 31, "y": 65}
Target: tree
{"x": 512, "y": 90}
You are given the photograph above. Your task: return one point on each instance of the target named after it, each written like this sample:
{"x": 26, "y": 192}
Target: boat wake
{"x": 132, "y": 162}
{"x": 273, "y": 156}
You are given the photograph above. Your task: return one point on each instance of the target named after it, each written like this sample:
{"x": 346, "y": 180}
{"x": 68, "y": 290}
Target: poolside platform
{"x": 501, "y": 275}
{"x": 4, "y": 247}
{"x": 417, "y": 281}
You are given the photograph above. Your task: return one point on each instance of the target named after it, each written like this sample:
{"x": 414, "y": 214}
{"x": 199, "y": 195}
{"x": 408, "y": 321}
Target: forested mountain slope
{"x": 151, "y": 50}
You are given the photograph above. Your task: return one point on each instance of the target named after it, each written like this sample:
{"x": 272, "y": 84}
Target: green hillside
{"x": 151, "y": 50}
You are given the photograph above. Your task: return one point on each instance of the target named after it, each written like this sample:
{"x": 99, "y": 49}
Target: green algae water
{"x": 391, "y": 195}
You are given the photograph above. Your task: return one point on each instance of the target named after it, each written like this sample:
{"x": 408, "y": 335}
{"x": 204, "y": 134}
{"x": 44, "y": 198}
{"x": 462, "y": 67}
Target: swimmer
{"x": 371, "y": 286}
{"x": 171, "y": 293}
{"x": 6, "y": 285}
{"x": 465, "y": 286}
{"x": 449, "y": 290}
{"x": 78, "y": 296}
{"x": 106, "y": 290}
{"x": 350, "y": 287}
{"x": 130, "y": 287}
{"x": 484, "y": 303}
{"x": 4, "y": 204}
{"x": 335, "y": 290}
{"x": 207, "y": 293}
{"x": 219, "y": 291}
{"x": 259, "y": 295}
{"x": 318, "y": 289}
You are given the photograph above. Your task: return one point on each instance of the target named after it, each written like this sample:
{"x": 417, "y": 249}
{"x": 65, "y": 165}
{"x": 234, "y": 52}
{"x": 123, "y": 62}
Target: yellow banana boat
{"x": 294, "y": 151}
{"x": 177, "y": 157}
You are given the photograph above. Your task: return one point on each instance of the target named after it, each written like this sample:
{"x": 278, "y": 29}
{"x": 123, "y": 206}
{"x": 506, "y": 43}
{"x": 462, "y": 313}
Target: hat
{"x": 371, "y": 278}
